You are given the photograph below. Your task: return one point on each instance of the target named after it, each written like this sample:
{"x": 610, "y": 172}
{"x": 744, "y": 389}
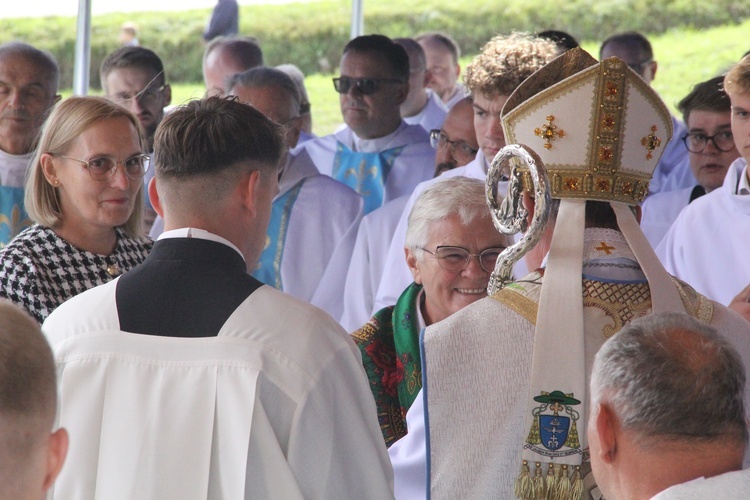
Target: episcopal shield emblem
{"x": 557, "y": 434}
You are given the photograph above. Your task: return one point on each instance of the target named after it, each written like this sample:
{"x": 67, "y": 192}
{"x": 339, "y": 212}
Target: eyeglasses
{"x": 459, "y": 149}
{"x": 696, "y": 142}
{"x": 364, "y": 86}
{"x": 455, "y": 259}
{"x": 102, "y": 168}
{"x": 145, "y": 97}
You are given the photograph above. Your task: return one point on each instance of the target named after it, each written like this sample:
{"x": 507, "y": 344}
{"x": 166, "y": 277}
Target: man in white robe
{"x": 653, "y": 433}
{"x": 422, "y": 106}
{"x": 187, "y": 376}
{"x": 707, "y": 114}
{"x": 29, "y": 80}
{"x": 377, "y": 154}
{"x": 501, "y": 413}
{"x": 442, "y": 54}
{"x": 706, "y": 246}
{"x": 505, "y": 61}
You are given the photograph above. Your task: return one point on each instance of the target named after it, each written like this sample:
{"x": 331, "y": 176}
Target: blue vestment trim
{"x": 268, "y": 269}
{"x": 13, "y": 216}
{"x": 365, "y": 173}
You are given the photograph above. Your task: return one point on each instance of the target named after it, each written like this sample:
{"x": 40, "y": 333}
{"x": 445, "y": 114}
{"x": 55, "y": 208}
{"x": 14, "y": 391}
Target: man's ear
{"x": 605, "y": 426}
{"x": 411, "y": 261}
{"x": 153, "y": 196}
{"x": 402, "y": 91}
{"x": 57, "y": 450}
{"x": 167, "y": 94}
{"x": 249, "y": 189}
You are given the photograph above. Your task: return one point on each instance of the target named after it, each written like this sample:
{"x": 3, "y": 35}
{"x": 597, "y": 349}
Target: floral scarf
{"x": 389, "y": 343}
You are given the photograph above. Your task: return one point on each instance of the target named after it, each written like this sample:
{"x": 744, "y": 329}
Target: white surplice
{"x": 707, "y": 245}
{"x": 659, "y": 211}
{"x": 432, "y": 115}
{"x": 728, "y": 486}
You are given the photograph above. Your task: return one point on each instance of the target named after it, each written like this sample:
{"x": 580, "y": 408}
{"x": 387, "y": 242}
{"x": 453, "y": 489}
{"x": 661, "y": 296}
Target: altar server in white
{"x": 707, "y": 114}
{"x": 504, "y": 62}
{"x": 189, "y": 378}
{"x": 522, "y": 422}
{"x": 377, "y": 154}
{"x": 707, "y": 245}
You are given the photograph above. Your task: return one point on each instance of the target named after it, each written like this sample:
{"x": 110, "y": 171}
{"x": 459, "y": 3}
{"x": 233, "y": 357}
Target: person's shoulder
{"x": 28, "y": 245}
{"x": 333, "y": 190}
{"x": 290, "y": 319}
{"x": 90, "y": 311}
{"x": 416, "y": 136}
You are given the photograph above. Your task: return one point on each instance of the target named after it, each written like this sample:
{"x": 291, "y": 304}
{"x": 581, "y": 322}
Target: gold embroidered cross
{"x": 603, "y": 247}
{"x": 651, "y": 142}
{"x": 549, "y": 132}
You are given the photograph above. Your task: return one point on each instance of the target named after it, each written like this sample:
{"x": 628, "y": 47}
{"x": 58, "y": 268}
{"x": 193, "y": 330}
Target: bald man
{"x": 225, "y": 57}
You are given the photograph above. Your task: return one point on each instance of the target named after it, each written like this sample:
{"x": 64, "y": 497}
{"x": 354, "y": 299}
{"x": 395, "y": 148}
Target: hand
{"x": 741, "y": 303}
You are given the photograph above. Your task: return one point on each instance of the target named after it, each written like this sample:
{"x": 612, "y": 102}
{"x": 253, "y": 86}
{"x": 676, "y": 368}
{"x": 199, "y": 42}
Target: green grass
{"x": 685, "y": 57}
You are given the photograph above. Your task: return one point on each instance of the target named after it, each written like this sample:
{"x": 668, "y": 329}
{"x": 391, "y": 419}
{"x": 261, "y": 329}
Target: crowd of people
{"x": 238, "y": 308}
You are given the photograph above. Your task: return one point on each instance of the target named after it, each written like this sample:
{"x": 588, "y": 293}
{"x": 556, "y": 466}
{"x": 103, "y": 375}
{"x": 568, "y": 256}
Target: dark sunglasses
{"x": 364, "y": 86}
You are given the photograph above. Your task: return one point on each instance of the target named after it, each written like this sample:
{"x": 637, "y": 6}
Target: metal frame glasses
{"x": 695, "y": 142}
{"x": 364, "y": 86}
{"x": 102, "y": 168}
{"x": 455, "y": 259}
{"x": 439, "y": 140}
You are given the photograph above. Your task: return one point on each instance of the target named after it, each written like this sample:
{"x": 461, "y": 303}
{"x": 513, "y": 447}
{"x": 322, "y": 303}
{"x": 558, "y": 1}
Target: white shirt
{"x": 431, "y": 117}
{"x": 728, "y": 486}
{"x": 13, "y": 168}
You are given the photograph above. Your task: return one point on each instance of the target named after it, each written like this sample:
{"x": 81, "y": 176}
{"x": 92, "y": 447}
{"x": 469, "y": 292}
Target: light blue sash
{"x": 268, "y": 269}
{"x": 13, "y": 216}
{"x": 365, "y": 173}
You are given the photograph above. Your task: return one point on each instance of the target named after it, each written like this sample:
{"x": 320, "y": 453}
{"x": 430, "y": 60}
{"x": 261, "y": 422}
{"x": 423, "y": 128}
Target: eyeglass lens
{"x": 696, "y": 142}
{"x": 104, "y": 167}
{"x": 457, "y": 258}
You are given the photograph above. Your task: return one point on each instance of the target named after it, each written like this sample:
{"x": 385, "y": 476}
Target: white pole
{"x": 83, "y": 49}
{"x": 358, "y": 19}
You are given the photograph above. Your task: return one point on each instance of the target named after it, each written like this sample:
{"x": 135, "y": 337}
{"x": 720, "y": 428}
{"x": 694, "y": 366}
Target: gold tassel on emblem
{"x": 524, "y": 487}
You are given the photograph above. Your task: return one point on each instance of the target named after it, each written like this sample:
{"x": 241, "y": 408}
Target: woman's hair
{"x": 66, "y": 123}
{"x": 459, "y": 196}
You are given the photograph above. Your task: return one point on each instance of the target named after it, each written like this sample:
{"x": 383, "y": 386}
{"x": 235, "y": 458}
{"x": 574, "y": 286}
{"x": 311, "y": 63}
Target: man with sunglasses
{"x": 133, "y": 77}
{"x": 707, "y": 114}
{"x": 707, "y": 244}
{"x": 673, "y": 171}
{"x": 377, "y": 154}
{"x": 28, "y": 90}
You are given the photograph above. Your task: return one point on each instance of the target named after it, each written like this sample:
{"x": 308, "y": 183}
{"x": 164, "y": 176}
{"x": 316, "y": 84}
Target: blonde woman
{"x": 84, "y": 194}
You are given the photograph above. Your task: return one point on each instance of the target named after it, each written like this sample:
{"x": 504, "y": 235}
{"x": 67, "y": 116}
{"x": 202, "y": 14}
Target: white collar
{"x": 201, "y": 234}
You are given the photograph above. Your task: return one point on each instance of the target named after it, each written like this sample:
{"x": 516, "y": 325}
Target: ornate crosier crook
{"x": 510, "y": 217}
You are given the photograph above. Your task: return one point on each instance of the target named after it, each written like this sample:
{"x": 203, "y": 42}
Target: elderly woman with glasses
{"x": 84, "y": 193}
{"x": 451, "y": 249}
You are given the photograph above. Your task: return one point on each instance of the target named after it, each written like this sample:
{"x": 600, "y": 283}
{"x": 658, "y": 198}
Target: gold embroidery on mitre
{"x": 651, "y": 142}
{"x": 571, "y": 183}
{"x": 608, "y": 122}
{"x": 549, "y": 132}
